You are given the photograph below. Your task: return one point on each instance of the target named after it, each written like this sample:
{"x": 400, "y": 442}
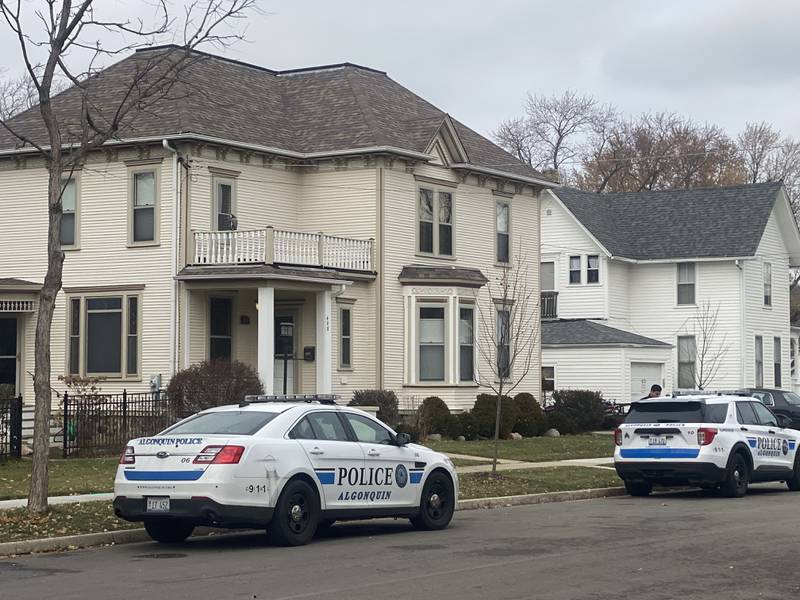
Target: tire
{"x": 437, "y": 503}
{"x": 296, "y": 515}
{"x": 737, "y": 478}
{"x": 638, "y": 488}
{"x": 793, "y": 483}
{"x": 168, "y": 531}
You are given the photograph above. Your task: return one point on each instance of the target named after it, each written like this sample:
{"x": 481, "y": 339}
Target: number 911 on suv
{"x": 716, "y": 442}
{"x": 291, "y": 467}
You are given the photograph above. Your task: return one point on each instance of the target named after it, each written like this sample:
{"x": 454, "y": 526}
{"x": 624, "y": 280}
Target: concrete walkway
{"x": 23, "y": 502}
{"x": 510, "y": 465}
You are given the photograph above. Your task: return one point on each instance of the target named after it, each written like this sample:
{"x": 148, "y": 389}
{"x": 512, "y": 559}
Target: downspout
{"x": 742, "y": 327}
{"x": 173, "y": 297}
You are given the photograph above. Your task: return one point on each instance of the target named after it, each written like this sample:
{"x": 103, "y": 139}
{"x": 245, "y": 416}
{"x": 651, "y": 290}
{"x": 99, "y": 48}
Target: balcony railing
{"x": 277, "y": 246}
{"x": 549, "y": 305}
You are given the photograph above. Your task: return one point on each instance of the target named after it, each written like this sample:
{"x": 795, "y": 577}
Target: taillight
{"x": 706, "y": 435}
{"x": 219, "y": 455}
{"x": 128, "y": 456}
{"x": 618, "y": 436}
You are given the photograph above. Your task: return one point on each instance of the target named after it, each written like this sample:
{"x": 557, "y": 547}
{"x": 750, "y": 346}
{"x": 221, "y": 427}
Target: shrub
{"x": 530, "y": 418}
{"x": 212, "y": 383}
{"x": 463, "y": 424}
{"x": 583, "y": 407}
{"x": 385, "y": 400}
{"x": 407, "y": 428}
{"x": 434, "y": 416}
{"x": 485, "y": 412}
{"x": 562, "y": 422}
{"x": 6, "y": 391}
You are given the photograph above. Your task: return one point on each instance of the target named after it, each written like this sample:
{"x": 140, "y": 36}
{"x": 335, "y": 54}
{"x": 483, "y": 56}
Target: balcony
{"x": 549, "y": 305}
{"x": 269, "y": 245}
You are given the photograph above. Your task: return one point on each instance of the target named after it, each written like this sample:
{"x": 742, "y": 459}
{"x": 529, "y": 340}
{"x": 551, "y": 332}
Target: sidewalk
{"x": 510, "y": 465}
{"x": 53, "y": 500}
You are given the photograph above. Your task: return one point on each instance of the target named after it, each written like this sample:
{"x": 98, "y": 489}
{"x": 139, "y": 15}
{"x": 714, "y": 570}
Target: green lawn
{"x": 68, "y": 519}
{"x": 67, "y": 477}
{"x": 464, "y": 462}
{"x": 535, "y": 481}
{"x": 537, "y": 449}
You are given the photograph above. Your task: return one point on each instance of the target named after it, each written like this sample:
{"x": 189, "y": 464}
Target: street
{"x": 687, "y": 545}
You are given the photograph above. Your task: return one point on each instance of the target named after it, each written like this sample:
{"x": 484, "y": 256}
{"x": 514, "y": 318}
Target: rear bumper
{"x": 671, "y": 473}
{"x": 200, "y": 511}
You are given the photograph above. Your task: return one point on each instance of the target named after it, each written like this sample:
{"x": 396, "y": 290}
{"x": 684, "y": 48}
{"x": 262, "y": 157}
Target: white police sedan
{"x": 291, "y": 467}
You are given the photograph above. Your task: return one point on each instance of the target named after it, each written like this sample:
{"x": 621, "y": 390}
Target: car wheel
{"x": 638, "y": 488}
{"x": 437, "y": 504}
{"x": 168, "y": 531}
{"x": 296, "y": 515}
{"x": 735, "y": 484}
{"x": 793, "y": 483}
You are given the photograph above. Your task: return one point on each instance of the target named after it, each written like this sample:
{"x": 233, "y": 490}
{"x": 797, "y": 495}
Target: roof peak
{"x": 299, "y": 70}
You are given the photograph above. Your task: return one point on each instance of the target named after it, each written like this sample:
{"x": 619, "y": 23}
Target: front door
{"x": 8, "y": 352}
{"x": 284, "y": 354}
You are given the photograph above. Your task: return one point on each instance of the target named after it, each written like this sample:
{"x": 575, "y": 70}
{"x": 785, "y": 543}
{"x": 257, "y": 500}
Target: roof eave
{"x": 607, "y": 345}
{"x": 545, "y": 183}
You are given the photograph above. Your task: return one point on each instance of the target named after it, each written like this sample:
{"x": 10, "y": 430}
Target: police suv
{"x": 291, "y": 467}
{"x": 720, "y": 442}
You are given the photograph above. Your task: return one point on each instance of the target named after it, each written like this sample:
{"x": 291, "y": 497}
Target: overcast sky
{"x": 722, "y": 61}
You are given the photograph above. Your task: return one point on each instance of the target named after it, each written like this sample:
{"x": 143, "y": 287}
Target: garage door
{"x": 643, "y": 375}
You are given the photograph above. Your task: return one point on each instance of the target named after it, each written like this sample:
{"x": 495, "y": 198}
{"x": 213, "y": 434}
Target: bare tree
{"x": 65, "y": 41}
{"x": 710, "y": 347}
{"x": 508, "y": 329}
{"x": 756, "y": 143}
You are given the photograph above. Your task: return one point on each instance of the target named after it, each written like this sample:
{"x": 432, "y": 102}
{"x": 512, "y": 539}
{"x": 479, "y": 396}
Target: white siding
{"x": 585, "y": 368}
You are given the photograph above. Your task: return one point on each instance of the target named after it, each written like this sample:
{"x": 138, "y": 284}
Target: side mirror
{"x": 784, "y": 421}
{"x": 402, "y": 439}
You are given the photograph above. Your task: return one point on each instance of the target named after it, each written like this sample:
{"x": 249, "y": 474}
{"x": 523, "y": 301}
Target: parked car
{"x": 780, "y": 402}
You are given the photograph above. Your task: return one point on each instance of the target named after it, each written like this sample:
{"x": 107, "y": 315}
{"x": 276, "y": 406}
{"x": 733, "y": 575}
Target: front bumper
{"x": 671, "y": 473}
{"x": 198, "y": 510}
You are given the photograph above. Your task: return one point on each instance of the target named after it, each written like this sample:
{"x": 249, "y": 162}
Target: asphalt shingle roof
{"x": 322, "y": 109}
{"x": 580, "y": 332}
{"x": 683, "y": 223}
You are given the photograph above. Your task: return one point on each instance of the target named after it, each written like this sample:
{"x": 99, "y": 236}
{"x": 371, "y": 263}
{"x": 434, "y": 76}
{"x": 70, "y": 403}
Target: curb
{"x": 127, "y": 536}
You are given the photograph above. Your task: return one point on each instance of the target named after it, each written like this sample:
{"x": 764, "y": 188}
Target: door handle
{"x": 316, "y": 450}
{"x": 771, "y": 431}
{"x": 745, "y": 429}
{"x": 373, "y": 453}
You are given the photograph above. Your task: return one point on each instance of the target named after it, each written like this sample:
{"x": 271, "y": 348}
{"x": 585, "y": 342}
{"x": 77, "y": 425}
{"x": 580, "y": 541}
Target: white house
{"x": 331, "y": 199}
{"x": 629, "y": 279}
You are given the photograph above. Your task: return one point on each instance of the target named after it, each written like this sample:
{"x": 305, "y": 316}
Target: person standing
{"x": 655, "y": 392}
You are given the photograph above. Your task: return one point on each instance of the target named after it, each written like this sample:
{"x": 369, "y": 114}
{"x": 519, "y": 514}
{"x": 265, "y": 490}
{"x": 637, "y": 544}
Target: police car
{"x": 291, "y": 467}
{"x": 723, "y": 442}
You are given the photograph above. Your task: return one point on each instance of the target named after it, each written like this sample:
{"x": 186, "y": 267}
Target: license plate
{"x": 657, "y": 440}
{"x": 158, "y": 504}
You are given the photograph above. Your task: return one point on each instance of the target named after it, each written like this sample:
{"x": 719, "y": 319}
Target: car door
{"x": 781, "y": 451}
{"x": 790, "y": 406}
{"x": 334, "y": 457}
{"x": 393, "y": 472}
{"x": 755, "y": 434}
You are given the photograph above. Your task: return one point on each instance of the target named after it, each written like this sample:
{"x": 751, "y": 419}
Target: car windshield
{"x": 229, "y": 422}
{"x": 675, "y": 411}
{"x": 791, "y": 398}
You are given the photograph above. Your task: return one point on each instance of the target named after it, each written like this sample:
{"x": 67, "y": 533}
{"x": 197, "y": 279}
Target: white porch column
{"x": 266, "y": 338}
{"x": 324, "y": 376}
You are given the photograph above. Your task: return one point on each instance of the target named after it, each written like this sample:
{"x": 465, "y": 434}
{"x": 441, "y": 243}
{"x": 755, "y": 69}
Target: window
{"x": 767, "y": 284}
{"x": 745, "y": 414}
{"x": 103, "y": 336}
{"x": 791, "y": 398}
{"x": 764, "y": 397}
{"x": 548, "y": 379}
{"x": 220, "y": 329}
{"x": 69, "y": 208}
{"x": 763, "y": 414}
{"x": 435, "y": 222}
{"x": 466, "y": 343}
{"x": 225, "y": 220}
{"x": 367, "y": 430}
{"x": 574, "y": 269}
{"x": 547, "y": 276}
{"x": 503, "y": 232}
{"x": 302, "y": 431}
{"x": 670, "y": 411}
{"x": 504, "y": 343}
{"x": 686, "y": 283}
{"x": 431, "y": 343}
{"x": 593, "y": 269}
{"x": 143, "y": 206}
{"x": 759, "y": 361}
{"x": 224, "y": 423}
{"x": 776, "y": 360}
{"x": 345, "y": 338}
{"x": 327, "y": 426}
{"x": 687, "y": 358}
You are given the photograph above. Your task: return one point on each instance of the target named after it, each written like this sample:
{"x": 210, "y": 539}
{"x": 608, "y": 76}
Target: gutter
{"x": 173, "y": 294}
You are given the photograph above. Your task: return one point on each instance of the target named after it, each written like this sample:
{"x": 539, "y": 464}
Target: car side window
{"x": 367, "y": 430}
{"x": 765, "y": 397}
{"x": 327, "y": 426}
{"x": 745, "y": 414}
{"x": 764, "y": 415}
{"x": 716, "y": 413}
{"x": 302, "y": 431}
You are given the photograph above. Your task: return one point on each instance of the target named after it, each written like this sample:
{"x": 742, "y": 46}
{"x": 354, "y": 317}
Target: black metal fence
{"x": 100, "y": 425}
{"x": 10, "y": 428}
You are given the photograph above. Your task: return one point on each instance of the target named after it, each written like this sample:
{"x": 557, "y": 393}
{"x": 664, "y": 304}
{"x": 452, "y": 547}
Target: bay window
{"x": 431, "y": 352}
{"x": 466, "y": 343}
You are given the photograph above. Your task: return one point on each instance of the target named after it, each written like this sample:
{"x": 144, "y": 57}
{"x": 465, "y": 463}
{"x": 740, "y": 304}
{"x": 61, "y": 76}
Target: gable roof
{"x": 674, "y": 224}
{"x": 318, "y": 110}
{"x": 580, "y": 332}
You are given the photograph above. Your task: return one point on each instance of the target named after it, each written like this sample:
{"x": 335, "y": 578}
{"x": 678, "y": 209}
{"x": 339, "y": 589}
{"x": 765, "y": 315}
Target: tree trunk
{"x": 497, "y": 430}
{"x": 37, "y": 498}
